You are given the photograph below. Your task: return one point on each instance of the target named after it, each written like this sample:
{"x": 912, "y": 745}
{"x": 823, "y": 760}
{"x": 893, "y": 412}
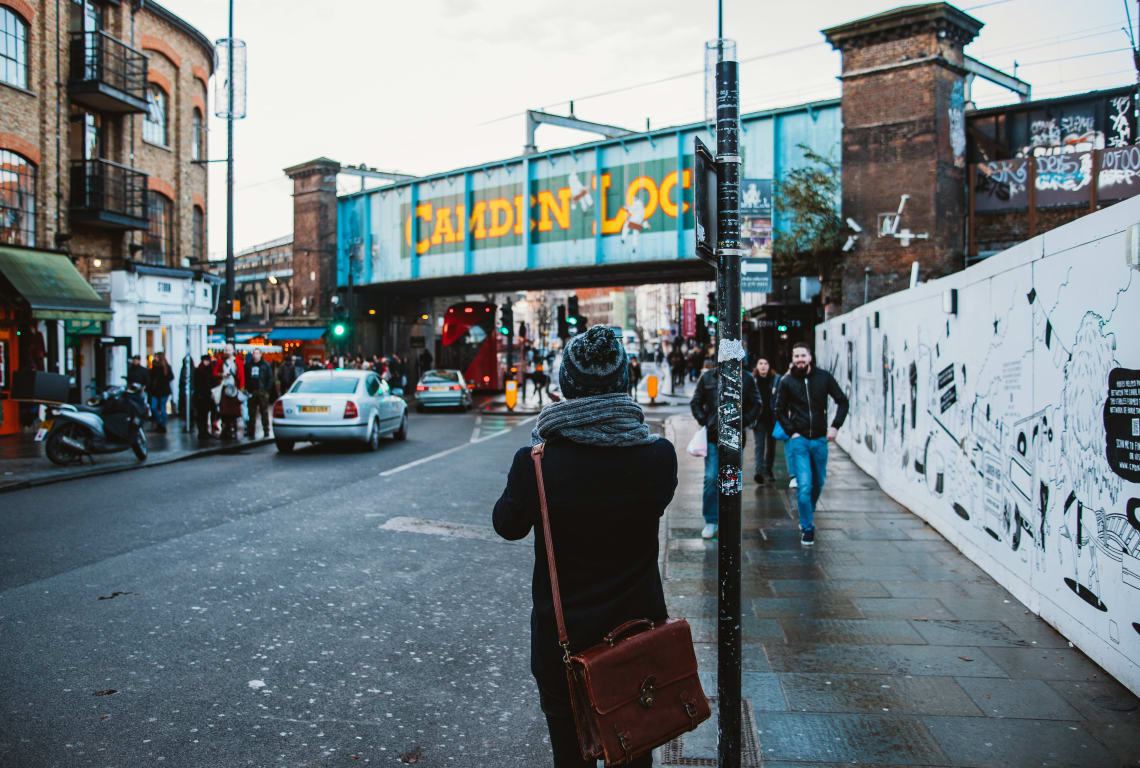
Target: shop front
{"x": 305, "y": 343}
{"x": 160, "y": 309}
{"x": 45, "y": 304}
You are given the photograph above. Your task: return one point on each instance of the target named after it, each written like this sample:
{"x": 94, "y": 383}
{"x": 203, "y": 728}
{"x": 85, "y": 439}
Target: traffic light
{"x": 702, "y": 330}
{"x": 573, "y": 319}
{"x": 339, "y": 329}
{"x": 508, "y": 320}
{"x": 563, "y": 328}
{"x": 712, "y": 307}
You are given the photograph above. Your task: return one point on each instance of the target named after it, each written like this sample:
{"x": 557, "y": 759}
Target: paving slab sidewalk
{"x": 882, "y": 645}
{"x": 24, "y": 465}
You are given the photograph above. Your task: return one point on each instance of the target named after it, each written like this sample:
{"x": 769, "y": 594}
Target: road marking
{"x": 451, "y": 450}
{"x": 442, "y": 528}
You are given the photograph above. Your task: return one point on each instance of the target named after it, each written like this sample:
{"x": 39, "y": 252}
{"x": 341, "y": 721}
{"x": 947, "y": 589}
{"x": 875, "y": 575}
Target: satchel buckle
{"x": 566, "y": 654}
{"x": 690, "y": 710}
{"x": 646, "y": 690}
{"x": 621, "y": 737}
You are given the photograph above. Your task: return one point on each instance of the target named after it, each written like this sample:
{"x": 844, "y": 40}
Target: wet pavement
{"x": 23, "y": 463}
{"x": 882, "y": 645}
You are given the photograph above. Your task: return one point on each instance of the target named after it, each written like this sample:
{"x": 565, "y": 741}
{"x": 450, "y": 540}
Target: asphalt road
{"x": 259, "y": 609}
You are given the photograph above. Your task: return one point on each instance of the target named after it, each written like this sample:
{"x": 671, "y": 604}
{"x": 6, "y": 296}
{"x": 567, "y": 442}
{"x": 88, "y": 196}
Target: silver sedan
{"x": 442, "y": 387}
{"x": 338, "y": 405}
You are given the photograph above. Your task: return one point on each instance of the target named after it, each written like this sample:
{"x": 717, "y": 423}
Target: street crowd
{"x": 228, "y": 392}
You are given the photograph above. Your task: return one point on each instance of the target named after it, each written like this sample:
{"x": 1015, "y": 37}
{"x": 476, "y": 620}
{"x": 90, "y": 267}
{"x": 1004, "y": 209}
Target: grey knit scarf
{"x": 612, "y": 420}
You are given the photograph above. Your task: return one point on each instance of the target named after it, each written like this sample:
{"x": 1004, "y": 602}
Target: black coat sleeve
{"x": 698, "y": 404}
{"x": 516, "y": 511}
{"x": 664, "y": 490}
{"x": 780, "y": 406}
{"x": 750, "y": 401}
{"x": 840, "y": 399}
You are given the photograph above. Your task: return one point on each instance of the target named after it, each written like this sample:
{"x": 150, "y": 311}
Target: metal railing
{"x": 98, "y": 57}
{"x": 104, "y": 187}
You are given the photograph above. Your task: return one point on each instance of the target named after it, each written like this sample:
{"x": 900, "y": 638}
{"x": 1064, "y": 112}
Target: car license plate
{"x": 45, "y": 425}
{"x": 439, "y": 389}
{"x": 314, "y": 409}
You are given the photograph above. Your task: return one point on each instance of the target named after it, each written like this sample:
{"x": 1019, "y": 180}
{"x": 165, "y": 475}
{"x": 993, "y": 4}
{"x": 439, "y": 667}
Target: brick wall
{"x": 28, "y": 121}
{"x": 898, "y": 80}
{"x": 314, "y": 237}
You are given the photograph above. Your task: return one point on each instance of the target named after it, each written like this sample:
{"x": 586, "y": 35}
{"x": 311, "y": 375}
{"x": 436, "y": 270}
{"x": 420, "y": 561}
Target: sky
{"x": 433, "y": 85}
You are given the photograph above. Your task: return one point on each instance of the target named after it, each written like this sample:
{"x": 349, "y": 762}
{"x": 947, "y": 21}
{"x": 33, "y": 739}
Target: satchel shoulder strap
{"x": 536, "y": 454}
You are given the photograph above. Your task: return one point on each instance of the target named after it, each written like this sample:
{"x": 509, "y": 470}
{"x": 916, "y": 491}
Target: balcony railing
{"x": 106, "y": 194}
{"x": 107, "y": 74}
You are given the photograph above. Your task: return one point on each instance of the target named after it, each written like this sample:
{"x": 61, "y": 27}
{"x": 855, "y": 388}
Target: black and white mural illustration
{"x": 1013, "y": 425}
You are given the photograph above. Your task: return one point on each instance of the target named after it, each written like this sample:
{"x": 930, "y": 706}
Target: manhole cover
{"x": 673, "y": 753}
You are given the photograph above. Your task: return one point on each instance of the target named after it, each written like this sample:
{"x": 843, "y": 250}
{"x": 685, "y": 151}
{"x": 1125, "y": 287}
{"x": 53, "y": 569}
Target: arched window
{"x": 13, "y": 48}
{"x": 197, "y": 142}
{"x": 154, "y": 120}
{"x": 17, "y": 199}
{"x": 198, "y": 235}
{"x": 158, "y": 242}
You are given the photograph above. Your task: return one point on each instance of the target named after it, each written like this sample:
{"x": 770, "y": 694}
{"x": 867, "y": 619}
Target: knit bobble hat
{"x": 594, "y": 363}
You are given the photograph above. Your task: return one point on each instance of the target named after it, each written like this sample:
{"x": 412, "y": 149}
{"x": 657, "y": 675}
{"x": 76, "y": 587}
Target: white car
{"x": 338, "y": 405}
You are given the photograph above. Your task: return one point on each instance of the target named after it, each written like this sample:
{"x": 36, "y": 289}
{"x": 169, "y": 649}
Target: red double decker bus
{"x": 471, "y": 345}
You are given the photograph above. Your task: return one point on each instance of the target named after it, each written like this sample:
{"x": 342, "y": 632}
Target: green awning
{"x": 51, "y": 285}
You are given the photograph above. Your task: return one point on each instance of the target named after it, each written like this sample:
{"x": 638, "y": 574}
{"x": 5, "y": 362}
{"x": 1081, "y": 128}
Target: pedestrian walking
{"x": 158, "y": 387}
{"x": 287, "y": 373}
{"x": 259, "y": 388}
{"x": 801, "y": 408}
{"x": 540, "y": 381}
{"x": 608, "y": 480}
{"x": 703, "y": 406}
{"x": 676, "y": 366}
{"x": 634, "y": 375}
{"x": 204, "y": 405}
{"x": 232, "y": 377}
{"x": 765, "y": 448}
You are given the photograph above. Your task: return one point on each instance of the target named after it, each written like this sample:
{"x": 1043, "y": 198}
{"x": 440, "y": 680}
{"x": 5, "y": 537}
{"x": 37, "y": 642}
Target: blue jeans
{"x": 710, "y": 504}
{"x": 158, "y": 409}
{"x": 807, "y": 460}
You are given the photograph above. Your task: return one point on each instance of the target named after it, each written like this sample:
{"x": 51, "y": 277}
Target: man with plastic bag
{"x": 703, "y": 406}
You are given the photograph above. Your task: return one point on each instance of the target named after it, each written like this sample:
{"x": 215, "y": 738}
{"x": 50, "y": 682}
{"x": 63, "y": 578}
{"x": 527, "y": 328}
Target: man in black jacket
{"x": 703, "y": 406}
{"x": 801, "y": 408}
{"x": 259, "y": 385}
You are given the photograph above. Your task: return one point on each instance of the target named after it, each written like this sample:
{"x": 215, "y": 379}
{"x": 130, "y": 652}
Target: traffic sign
{"x": 756, "y": 274}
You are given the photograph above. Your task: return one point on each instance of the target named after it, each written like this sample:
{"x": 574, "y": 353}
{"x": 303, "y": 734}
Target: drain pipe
{"x": 58, "y": 121}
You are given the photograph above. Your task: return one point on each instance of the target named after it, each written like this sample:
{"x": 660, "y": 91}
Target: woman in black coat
{"x": 608, "y": 481}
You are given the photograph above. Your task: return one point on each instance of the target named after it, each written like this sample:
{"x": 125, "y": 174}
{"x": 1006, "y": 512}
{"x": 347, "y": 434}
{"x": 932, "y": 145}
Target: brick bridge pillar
{"x": 314, "y": 237}
{"x": 904, "y": 134}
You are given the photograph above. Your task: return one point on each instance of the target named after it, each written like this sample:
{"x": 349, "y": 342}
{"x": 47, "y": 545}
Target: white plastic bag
{"x": 699, "y": 445}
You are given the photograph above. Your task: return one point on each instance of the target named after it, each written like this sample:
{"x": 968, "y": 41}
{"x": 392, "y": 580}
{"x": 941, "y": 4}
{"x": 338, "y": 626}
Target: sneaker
{"x": 709, "y": 531}
{"x": 807, "y": 538}
{"x": 792, "y": 484}
{"x": 758, "y": 478}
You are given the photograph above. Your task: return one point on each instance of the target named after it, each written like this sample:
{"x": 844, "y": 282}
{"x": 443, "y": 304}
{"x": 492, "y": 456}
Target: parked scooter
{"x": 109, "y": 423}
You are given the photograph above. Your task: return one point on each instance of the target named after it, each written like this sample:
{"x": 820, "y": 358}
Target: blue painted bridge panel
{"x": 617, "y": 201}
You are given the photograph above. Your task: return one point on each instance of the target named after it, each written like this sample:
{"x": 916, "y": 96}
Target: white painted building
{"x": 160, "y": 309}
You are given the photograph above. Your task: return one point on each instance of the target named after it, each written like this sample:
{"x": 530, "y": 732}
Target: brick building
{"x": 103, "y": 169}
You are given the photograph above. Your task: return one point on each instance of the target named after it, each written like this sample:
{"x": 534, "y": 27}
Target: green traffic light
{"x": 339, "y": 329}
{"x": 782, "y": 328}
{"x": 712, "y": 319}
{"x": 572, "y": 320}
{"x": 504, "y": 330}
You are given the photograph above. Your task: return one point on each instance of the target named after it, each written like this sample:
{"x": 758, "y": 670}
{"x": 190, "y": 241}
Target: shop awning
{"x": 220, "y": 338}
{"x": 295, "y": 334}
{"x": 51, "y": 285}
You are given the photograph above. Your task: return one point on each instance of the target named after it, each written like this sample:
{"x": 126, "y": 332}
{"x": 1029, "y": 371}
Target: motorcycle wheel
{"x": 59, "y": 452}
{"x": 139, "y": 446}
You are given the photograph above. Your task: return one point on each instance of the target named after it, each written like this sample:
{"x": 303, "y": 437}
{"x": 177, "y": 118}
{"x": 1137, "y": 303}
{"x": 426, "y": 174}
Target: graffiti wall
{"x": 1002, "y": 405}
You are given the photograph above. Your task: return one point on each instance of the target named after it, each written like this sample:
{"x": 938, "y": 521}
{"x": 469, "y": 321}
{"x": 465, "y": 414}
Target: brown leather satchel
{"x": 635, "y": 690}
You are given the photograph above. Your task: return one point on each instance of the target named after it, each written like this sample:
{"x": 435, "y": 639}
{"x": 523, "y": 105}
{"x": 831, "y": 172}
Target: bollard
{"x": 512, "y": 393}
{"x": 651, "y": 388}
